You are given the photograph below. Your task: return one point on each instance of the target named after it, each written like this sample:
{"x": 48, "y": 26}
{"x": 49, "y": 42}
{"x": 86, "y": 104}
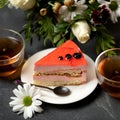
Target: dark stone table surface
{"x": 97, "y": 106}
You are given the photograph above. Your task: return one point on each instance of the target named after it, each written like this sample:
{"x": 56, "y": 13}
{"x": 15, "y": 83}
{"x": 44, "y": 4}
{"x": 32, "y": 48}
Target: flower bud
{"x": 91, "y": 1}
{"x": 82, "y": 31}
{"x": 43, "y": 11}
{"x": 68, "y": 2}
{"x": 23, "y": 4}
{"x": 56, "y": 7}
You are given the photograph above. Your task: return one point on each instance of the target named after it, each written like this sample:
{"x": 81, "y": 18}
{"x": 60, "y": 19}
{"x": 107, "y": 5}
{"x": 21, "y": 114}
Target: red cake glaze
{"x": 69, "y": 47}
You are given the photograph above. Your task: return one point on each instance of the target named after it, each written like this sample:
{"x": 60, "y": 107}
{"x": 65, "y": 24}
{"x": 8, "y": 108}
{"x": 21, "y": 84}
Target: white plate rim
{"x": 48, "y": 97}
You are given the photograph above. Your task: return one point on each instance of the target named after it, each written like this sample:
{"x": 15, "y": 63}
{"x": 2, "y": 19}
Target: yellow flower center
{"x": 27, "y": 100}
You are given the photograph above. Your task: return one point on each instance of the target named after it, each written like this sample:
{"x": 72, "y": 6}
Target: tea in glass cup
{"x": 107, "y": 67}
{"x": 11, "y": 52}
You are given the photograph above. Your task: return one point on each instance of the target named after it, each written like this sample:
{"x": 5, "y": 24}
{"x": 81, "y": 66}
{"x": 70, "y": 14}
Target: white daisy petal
{"x": 27, "y": 112}
{"x": 15, "y": 102}
{"x": 37, "y": 92}
{"x": 82, "y": 1}
{"x": 101, "y": 1}
{"x": 26, "y": 88}
{"x": 118, "y": 11}
{"x": 36, "y": 97}
{"x": 11, "y": 104}
{"x": 13, "y": 98}
{"x": 17, "y": 107}
{"x": 62, "y": 9}
{"x": 20, "y": 87}
{"x": 37, "y": 109}
{"x": 32, "y": 91}
{"x": 37, "y": 102}
{"x": 21, "y": 111}
{"x": 18, "y": 93}
{"x": 73, "y": 15}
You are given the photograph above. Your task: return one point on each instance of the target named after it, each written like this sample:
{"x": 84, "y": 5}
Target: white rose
{"x": 82, "y": 31}
{"x": 23, "y": 4}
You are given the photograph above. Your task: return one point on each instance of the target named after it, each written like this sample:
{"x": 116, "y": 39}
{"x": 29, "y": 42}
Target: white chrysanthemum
{"x": 116, "y": 5}
{"x": 22, "y": 4}
{"x": 26, "y": 100}
{"x": 77, "y": 8}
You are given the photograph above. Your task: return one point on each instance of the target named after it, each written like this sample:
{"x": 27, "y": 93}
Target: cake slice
{"x": 65, "y": 65}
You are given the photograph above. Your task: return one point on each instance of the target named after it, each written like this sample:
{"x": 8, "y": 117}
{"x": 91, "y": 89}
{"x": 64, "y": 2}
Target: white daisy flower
{"x": 69, "y": 12}
{"x": 26, "y": 100}
{"x": 114, "y": 8}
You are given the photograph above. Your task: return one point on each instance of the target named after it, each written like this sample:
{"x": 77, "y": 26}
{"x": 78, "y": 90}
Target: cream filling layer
{"x": 71, "y": 73}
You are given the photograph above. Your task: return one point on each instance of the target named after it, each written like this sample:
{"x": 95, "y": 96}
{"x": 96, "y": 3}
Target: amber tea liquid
{"x": 9, "y": 49}
{"x": 110, "y": 68}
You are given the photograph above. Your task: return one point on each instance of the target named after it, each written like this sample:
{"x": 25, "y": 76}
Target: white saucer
{"x": 77, "y": 92}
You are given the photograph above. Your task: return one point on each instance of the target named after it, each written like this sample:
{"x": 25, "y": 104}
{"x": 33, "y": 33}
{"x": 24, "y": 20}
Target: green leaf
{"x": 60, "y": 42}
{"x": 104, "y": 39}
{"x": 61, "y": 27}
{"x": 27, "y": 28}
{"x": 3, "y": 3}
{"x": 56, "y": 38}
{"x": 72, "y": 36}
{"x": 79, "y": 17}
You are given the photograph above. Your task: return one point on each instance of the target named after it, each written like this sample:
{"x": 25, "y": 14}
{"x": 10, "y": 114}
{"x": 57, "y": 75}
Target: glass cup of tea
{"x": 107, "y": 66}
{"x": 11, "y": 52}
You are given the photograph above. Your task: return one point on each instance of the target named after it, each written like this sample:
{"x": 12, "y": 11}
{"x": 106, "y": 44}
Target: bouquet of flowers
{"x": 59, "y": 20}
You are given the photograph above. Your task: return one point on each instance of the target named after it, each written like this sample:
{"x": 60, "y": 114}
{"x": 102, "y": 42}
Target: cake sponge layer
{"x": 58, "y": 80}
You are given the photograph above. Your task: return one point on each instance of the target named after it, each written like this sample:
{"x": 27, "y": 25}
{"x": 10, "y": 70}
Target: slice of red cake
{"x": 65, "y": 65}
